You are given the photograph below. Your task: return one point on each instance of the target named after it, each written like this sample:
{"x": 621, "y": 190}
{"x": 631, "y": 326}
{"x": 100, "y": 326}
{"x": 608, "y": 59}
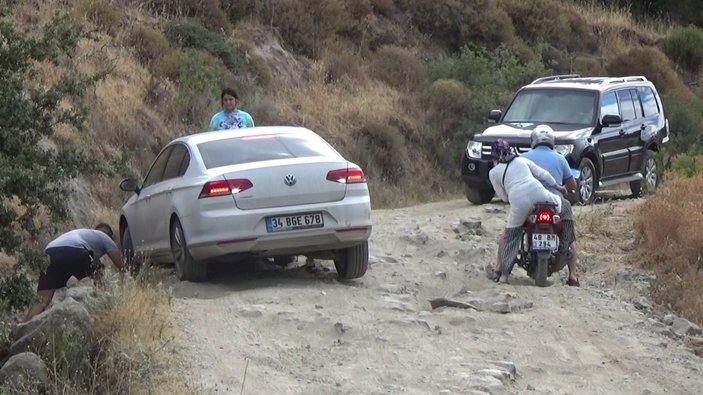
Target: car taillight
{"x": 544, "y": 217}
{"x": 224, "y": 187}
{"x": 351, "y": 175}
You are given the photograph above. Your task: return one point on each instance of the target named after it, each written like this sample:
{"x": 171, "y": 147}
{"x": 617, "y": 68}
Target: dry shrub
{"x": 343, "y": 65}
{"x": 384, "y": 150}
{"x": 647, "y": 61}
{"x": 383, "y": 7}
{"x": 150, "y": 44}
{"x": 399, "y": 68}
{"x": 134, "y": 331}
{"x": 102, "y": 13}
{"x": 169, "y": 65}
{"x": 587, "y": 66}
{"x": 308, "y": 25}
{"x": 539, "y": 20}
{"x": 210, "y": 12}
{"x": 447, "y": 102}
{"x": 456, "y": 22}
{"x": 669, "y": 241}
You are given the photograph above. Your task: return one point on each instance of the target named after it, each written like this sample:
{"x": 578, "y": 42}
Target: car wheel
{"x": 478, "y": 196}
{"x": 353, "y": 261}
{"x": 187, "y": 268}
{"x": 128, "y": 253}
{"x": 650, "y": 180}
{"x": 587, "y": 182}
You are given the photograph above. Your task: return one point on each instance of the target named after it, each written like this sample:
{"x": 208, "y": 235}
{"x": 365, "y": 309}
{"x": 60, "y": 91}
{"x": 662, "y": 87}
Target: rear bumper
{"x": 231, "y": 232}
{"x": 475, "y": 172}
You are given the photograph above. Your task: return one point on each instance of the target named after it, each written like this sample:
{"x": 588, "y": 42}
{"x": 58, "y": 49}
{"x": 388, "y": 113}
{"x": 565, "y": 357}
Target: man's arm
{"x": 498, "y": 186}
{"x": 569, "y": 180}
{"x": 116, "y": 258}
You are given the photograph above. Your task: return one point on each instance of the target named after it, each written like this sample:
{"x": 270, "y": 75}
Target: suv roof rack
{"x": 620, "y": 80}
{"x": 556, "y": 78}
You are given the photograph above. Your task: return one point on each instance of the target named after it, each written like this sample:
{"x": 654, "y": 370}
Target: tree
{"x": 33, "y": 171}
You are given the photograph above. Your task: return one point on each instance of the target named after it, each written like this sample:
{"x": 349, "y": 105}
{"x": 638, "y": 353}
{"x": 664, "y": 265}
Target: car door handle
{"x": 643, "y": 127}
{"x": 622, "y": 132}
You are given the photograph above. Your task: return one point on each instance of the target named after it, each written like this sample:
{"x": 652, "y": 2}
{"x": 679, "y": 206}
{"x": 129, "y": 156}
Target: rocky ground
{"x": 258, "y": 329}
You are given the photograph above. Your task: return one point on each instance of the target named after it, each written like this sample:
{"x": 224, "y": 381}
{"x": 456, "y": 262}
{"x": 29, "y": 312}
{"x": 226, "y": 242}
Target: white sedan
{"x": 272, "y": 192}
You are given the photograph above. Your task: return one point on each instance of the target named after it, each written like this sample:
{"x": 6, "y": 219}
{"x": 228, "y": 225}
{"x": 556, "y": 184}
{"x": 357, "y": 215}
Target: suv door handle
{"x": 622, "y": 132}
{"x": 643, "y": 127}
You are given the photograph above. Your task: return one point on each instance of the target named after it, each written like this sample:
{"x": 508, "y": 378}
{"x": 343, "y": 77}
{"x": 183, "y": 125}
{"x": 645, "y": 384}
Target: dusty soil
{"x": 258, "y": 329}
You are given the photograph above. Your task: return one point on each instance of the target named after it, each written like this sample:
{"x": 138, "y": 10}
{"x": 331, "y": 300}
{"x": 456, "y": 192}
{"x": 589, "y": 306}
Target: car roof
{"x": 574, "y": 81}
{"x": 204, "y": 137}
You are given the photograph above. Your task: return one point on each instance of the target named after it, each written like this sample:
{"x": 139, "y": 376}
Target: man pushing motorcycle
{"x": 544, "y": 156}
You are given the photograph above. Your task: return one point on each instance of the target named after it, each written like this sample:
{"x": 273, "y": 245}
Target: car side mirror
{"x": 611, "y": 119}
{"x": 130, "y": 185}
{"x": 494, "y": 115}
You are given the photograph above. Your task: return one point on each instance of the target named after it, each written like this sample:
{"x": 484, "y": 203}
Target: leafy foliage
{"x": 685, "y": 46}
{"x": 33, "y": 173}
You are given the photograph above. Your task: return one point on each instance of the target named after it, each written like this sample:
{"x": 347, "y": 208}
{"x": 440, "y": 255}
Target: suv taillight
{"x": 351, "y": 175}
{"x": 224, "y": 187}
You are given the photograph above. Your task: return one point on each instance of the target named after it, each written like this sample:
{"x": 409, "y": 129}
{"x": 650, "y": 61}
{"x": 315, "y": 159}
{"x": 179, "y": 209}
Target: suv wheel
{"x": 650, "y": 179}
{"x": 478, "y": 196}
{"x": 587, "y": 182}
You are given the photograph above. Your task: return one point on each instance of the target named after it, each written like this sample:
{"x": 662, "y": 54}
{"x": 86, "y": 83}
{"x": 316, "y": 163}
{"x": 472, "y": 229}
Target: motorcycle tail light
{"x": 544, "y": 217}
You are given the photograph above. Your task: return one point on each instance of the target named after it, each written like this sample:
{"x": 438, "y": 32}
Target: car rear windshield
{"x": 552, "y": 106}
{"x": 247, "y": 149}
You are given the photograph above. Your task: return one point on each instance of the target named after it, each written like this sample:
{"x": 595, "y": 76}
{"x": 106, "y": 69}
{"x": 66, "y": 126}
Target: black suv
{"x": 607, "y": 128}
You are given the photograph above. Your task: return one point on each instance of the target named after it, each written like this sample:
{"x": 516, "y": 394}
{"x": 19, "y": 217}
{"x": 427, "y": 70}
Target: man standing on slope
{"x": 230, "y": 117}
{"x": 544, "y": 156}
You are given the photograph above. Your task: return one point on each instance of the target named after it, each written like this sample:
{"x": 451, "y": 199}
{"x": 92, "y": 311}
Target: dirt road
{"x": 292, "y": 332}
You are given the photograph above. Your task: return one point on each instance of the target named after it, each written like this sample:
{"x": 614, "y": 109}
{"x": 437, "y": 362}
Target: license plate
{"x": 544, "y": 242}
{"x": 284, "y": 223}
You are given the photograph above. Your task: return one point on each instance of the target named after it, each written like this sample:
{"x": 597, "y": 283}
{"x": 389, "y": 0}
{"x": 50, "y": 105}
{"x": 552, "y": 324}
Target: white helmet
{"x": 542, "y": 134}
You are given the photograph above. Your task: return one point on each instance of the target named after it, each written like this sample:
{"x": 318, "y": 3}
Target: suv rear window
{"x": 247, "y": 149}
{"x": 554, "y": 106}
{"x": 649, "y": 103}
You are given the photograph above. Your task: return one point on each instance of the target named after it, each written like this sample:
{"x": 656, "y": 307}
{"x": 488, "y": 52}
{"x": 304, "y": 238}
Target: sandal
{"x": 573, "y": 283}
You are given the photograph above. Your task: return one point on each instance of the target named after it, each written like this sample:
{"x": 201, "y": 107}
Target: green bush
{"x": 200, "y": 81}
{"x": 399, "y": 68}
{"x": 236, "y": 55}
{"x": 34, "y": 178}
{"x": 149, "y": 44}
{"x": 687, "y": 165}
{"x": 685, "y": 46}
{"x": 447, "y": 102}
{"x": 685, "y": 120}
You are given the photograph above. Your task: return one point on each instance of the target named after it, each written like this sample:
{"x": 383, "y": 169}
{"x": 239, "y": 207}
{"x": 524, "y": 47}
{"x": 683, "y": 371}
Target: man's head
{"x": 542, "y": 135}
{"x": 502, "y": 152}
{"x": 228, "y": 99}
{"x": 105, "y": 228}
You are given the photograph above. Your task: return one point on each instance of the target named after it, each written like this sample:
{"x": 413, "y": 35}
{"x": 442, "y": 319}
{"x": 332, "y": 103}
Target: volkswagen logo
{"x": 289, "y": 180}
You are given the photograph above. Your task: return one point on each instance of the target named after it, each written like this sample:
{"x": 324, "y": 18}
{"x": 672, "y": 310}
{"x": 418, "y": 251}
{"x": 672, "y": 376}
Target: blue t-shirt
{"x": 236, "y": 119}
{"x": 552, "y": 162}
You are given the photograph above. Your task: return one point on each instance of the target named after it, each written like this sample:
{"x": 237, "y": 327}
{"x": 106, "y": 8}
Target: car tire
{"x": 650, "y": 176}
{"x": 587, "y": 182}
{"x": 478, "y": 196}
{"x": 352, "y": 262}
{"x": 187, "y": 268}
{"x": 133, "y": 264}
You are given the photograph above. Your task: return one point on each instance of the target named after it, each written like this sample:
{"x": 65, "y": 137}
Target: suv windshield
{"x": 555, "y": 106}
{"x": 237, "y": 150}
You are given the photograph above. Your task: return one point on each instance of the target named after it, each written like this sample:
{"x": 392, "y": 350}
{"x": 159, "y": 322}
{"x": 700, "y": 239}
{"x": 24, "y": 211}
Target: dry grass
{"x": 133, "y": 334}
{"x": 670, "y": 243}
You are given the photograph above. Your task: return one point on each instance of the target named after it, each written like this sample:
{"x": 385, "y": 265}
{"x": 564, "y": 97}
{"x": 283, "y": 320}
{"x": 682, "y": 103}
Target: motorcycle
{"x": 539, "y": 248}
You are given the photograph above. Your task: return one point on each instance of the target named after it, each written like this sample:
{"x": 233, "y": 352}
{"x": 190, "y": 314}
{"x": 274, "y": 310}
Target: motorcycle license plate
{"x": 544, "y": 242}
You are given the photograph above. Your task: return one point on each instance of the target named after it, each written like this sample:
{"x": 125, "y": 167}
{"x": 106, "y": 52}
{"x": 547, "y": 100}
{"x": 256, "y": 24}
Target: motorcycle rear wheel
{"x": 541, "y": 270}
